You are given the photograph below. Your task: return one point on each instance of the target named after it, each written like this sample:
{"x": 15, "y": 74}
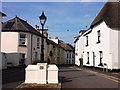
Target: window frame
{"x": 67, "y": 55}
{"x": 38, "y": 43}
{"x": 98, "y": 35}
{"x": 88, "y": 57}
{"x": 100, "y": 57}
{"x": 22, "y": 39}
{"x": 87, "y": 41}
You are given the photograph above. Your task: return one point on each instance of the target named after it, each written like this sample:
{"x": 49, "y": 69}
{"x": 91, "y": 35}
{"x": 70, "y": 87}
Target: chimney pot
{"x": 37, "y": 27}
{"x": 56, "y": 37}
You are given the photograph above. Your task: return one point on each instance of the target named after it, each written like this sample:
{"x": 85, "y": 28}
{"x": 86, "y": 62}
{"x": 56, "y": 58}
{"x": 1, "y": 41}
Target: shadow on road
{"x": 70, "y": 70}
{"x": 64, "y": 80}
{"x": 82, "y": 76}
{"x": 12, "y": 75}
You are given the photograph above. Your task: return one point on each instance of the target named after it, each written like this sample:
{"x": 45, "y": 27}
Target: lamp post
{"x": 42, "y": 21}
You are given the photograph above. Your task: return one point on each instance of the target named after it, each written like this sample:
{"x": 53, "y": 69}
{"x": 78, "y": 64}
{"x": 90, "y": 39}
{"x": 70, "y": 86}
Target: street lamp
{"x": 42, "y": 21}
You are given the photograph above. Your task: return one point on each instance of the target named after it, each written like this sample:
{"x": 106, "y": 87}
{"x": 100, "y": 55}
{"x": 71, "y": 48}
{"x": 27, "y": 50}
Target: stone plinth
{"x": 31, "y": 74}
{"x": 52, "y": 74}
{"x": 36, "y": 73}
{"x": 42, "y": 72}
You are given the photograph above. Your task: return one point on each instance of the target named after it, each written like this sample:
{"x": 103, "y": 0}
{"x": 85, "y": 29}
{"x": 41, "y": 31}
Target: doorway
{"x": 93, "y": 59}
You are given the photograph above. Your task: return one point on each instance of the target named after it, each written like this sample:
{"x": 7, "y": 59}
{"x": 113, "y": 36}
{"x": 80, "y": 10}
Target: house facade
{"x": 20, "y": 41}
{"x": 3, "y": 61}
{"x": 21, "y": 44}
{"x": 101, "y": 41}
{"x": 68, "y": 53}
{"x": 65, "y": 52}
{"x": 101, "y": 50}
{"x": 52, "y": 52}
{"x": 79, "y": 48}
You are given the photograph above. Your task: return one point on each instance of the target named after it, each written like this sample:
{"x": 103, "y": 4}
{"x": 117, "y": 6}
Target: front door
{"x": 22, "y": 59}
{"x": 36, "y": 55}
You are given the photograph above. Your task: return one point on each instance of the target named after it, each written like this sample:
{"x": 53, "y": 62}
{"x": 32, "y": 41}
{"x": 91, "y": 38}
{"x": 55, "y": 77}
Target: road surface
{"x": 73, "y": 77}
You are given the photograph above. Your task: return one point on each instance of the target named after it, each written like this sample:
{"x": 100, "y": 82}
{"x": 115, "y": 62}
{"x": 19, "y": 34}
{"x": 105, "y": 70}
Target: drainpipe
{"x": 31, "y": 48}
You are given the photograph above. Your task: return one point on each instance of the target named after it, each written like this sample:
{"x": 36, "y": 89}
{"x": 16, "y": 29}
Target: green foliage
{"x": 38, "y": 61}
{"x": 35, "y": 62}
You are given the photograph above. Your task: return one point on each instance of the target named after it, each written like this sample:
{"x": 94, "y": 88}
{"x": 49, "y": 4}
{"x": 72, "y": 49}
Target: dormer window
{"x": 98, "y": 34}
{"x": 86, "y": 40}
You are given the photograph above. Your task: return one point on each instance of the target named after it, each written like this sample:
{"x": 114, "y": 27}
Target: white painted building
{"x": 22, "y": 44}
{"x": 2, "y": 55}
{"x": 79, "y": 47}
{"x": 20, "y": 41}
{"x": 101, "y": 41}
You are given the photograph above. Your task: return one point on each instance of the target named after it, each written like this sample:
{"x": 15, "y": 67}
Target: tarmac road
{"x": 73, "y": 77}
{"x": 70, "y": 77}
{"x": 12, "y": 77}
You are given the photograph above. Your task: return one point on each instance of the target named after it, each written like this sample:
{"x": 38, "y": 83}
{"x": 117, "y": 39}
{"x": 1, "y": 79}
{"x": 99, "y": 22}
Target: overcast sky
{"x": 64, "y": 19}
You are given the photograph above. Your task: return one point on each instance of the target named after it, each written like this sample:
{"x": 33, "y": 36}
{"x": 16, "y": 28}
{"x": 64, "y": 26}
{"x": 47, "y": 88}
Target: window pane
{"x": 22, "y": 39}
{"x": 99, "y": 33}
{"x": 101, "y": 54}
{"x": 38, "y": 42}
{"x": 37, "y": 39}
{"x": 23, "y": 55}
{"x": 87, "y": 40}
{"x": 22, "y": 36}
{"x": 88, "y": 54}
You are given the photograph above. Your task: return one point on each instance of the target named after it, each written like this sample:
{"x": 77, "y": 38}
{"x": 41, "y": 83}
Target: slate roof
{"x": 77, "y": 37}
{"x": 3, "y": 14}
{"x": 18, "y": 25}
{"x": 65, "y": 46}
{"x": 83, "y": 31}
{"x": 51, "y": 42}
{"x": 110, "y": 13}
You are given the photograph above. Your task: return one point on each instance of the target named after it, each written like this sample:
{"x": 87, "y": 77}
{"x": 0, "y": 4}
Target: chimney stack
{"x": 45, "y": 33}
{"x": 56, "y": 37}
{"x": 37, "y": 28}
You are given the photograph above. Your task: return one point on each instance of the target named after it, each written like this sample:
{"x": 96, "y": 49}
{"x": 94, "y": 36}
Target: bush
{"x": 38, "y": 61}
{"x": 35, "y": 62}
